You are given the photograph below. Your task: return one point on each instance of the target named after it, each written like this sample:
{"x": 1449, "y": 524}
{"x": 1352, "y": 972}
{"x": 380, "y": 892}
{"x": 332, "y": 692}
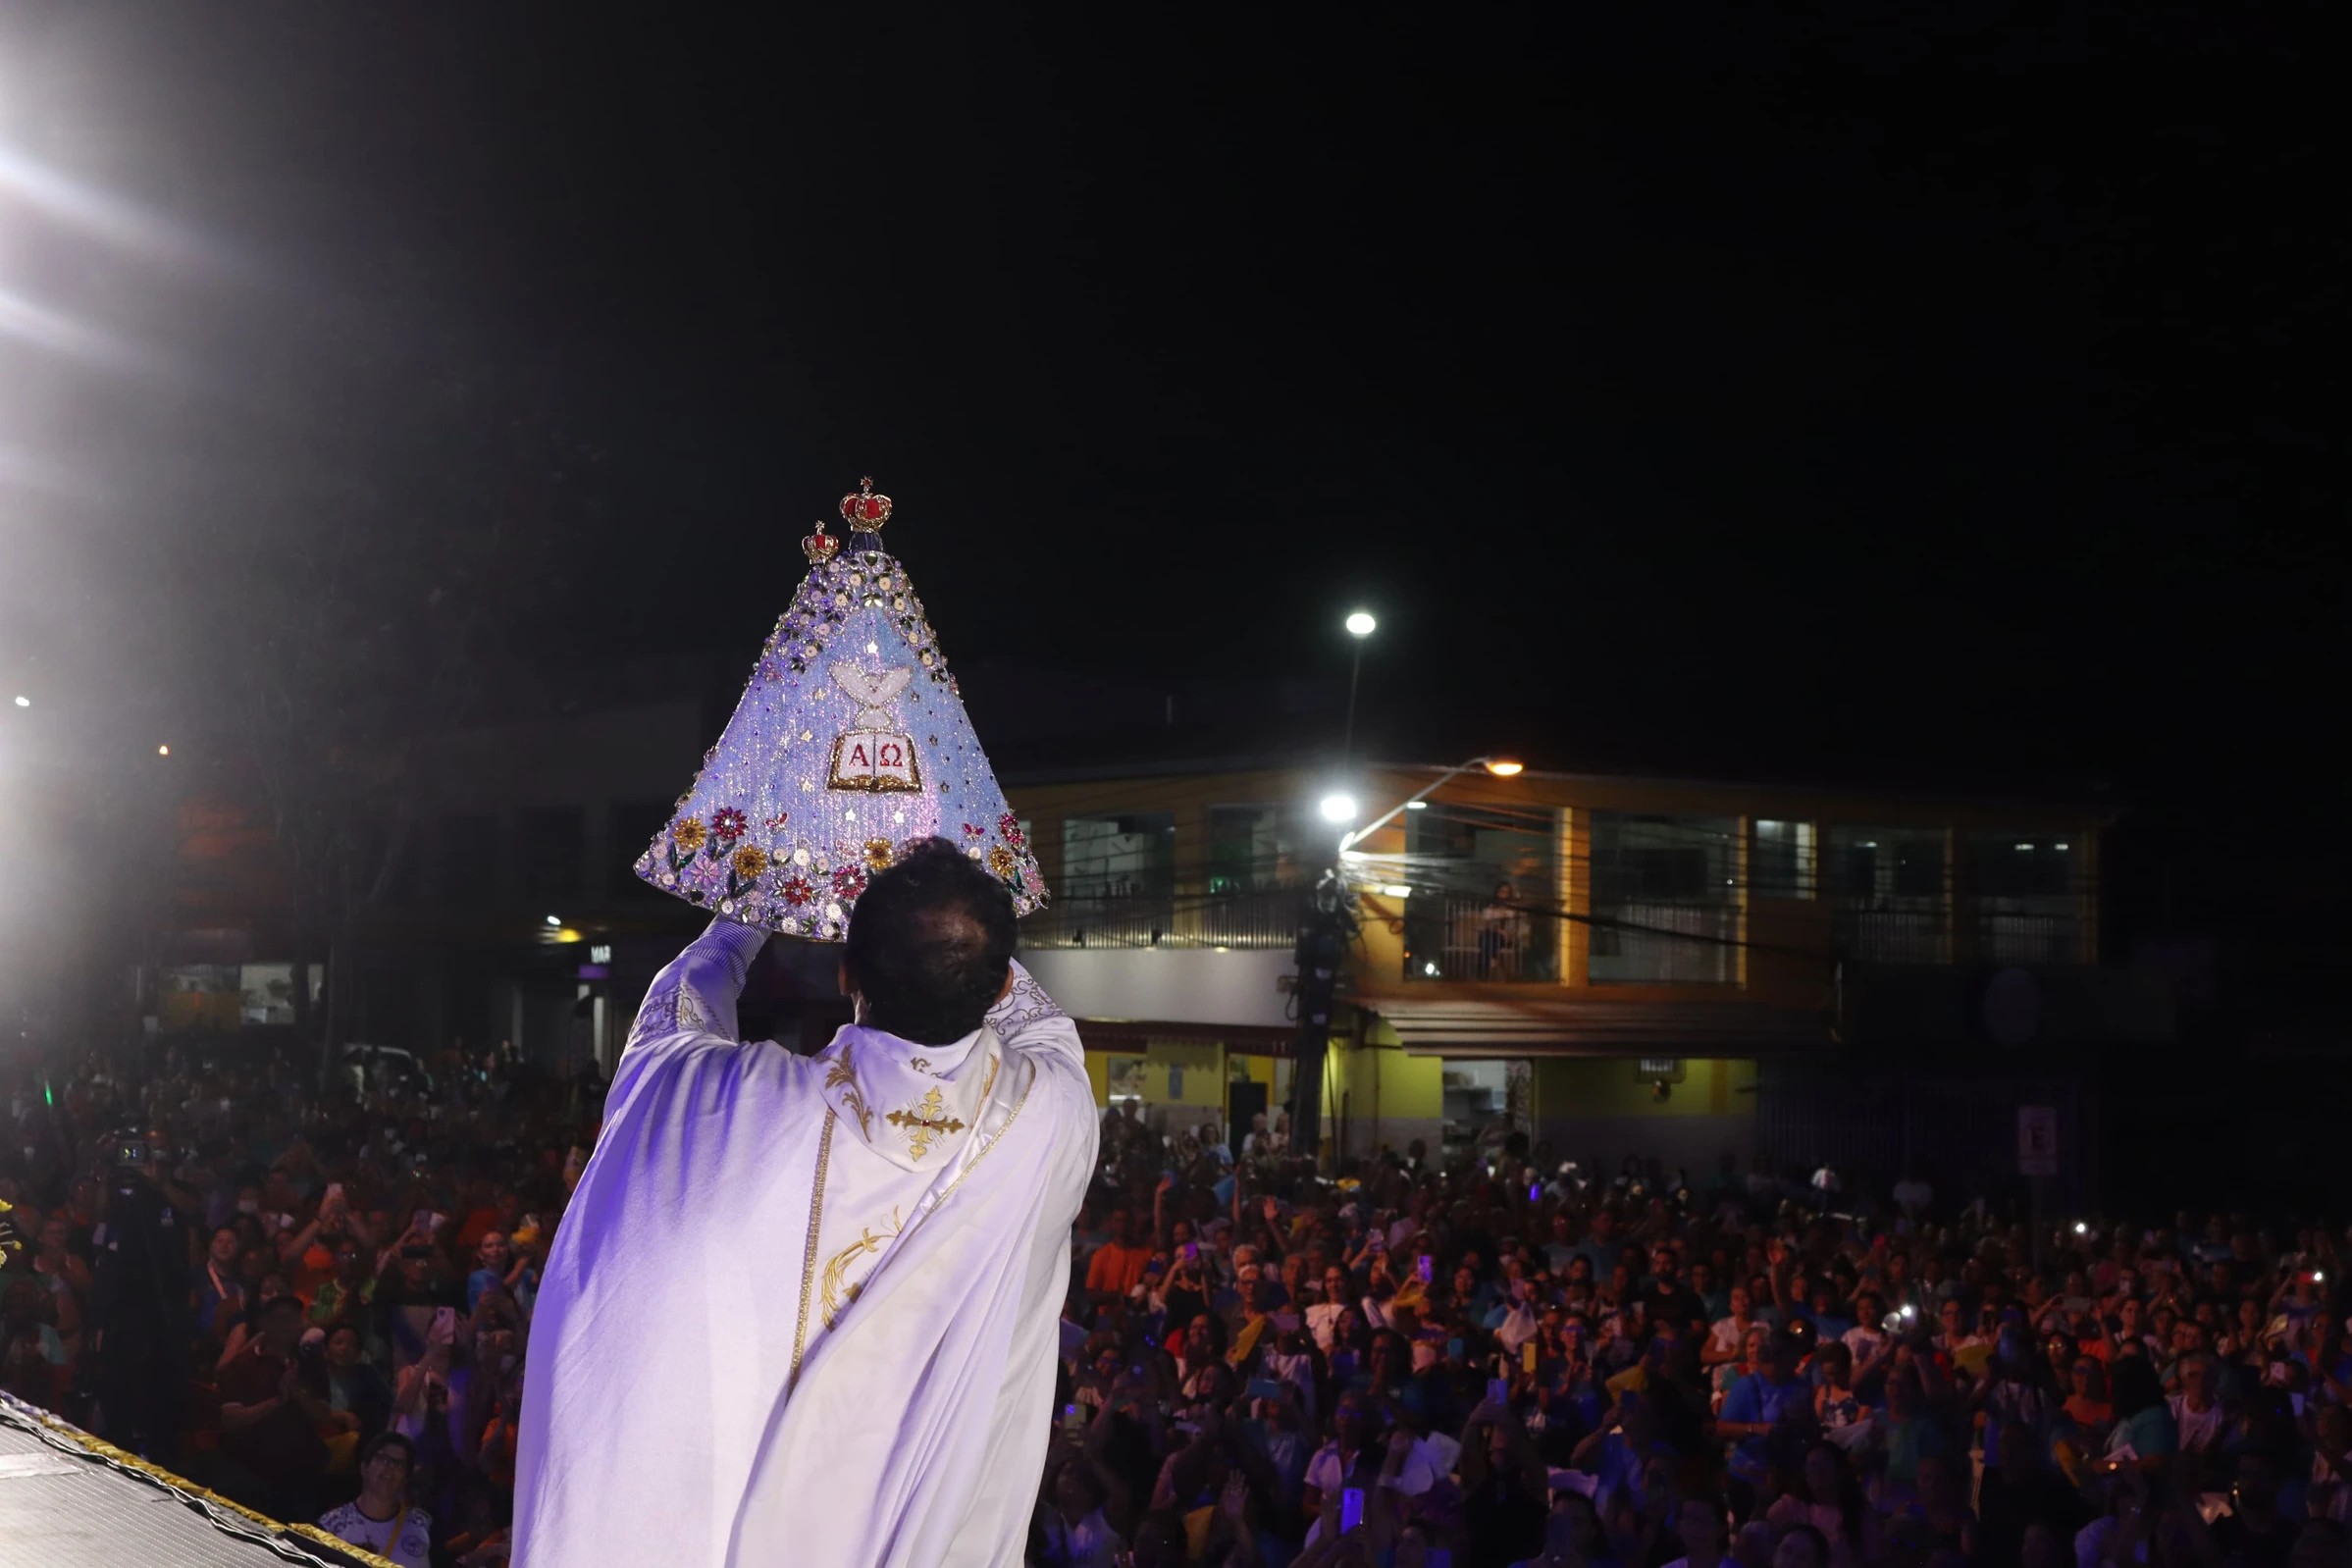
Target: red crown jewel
{"x": 820, "y": 547}
{"x": 865, "y": 512}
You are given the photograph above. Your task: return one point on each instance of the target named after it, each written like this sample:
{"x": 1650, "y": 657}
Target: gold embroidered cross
{"x": 925, "y": 1122}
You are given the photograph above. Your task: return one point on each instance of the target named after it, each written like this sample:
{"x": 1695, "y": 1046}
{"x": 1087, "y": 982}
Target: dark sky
{"x": 1794, "y": 389}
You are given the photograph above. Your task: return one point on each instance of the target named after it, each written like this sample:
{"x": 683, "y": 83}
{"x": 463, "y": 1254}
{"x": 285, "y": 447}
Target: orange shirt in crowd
{"x": 1117, "y": 1268}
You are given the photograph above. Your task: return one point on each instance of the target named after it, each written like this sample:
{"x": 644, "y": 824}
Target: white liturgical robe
{"x": 804, "y": 1310}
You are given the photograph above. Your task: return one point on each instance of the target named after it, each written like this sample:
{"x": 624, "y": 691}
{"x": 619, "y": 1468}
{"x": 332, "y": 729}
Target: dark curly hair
{"x": 931, "y": 943}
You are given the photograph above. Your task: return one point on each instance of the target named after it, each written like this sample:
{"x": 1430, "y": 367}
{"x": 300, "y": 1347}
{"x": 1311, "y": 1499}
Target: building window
{"x": 1117, "y": 881}
{"x": 1890, "y": 894}
{"x": 1117, "y": 856}
{"x": 554, "y": 845}
{"x": 2026, "y": 897}
{"x": 1485, "y": 893}
{"x": 1781, "y": 865}
{"x": 1252, "y": 849}
{"x": 1665, "y": 900}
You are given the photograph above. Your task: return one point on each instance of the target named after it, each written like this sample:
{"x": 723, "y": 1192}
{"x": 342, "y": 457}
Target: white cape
{"x": 917, "y": 1286}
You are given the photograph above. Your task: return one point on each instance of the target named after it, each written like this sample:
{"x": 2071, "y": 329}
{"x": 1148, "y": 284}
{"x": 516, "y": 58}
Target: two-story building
{"x": 1674, "y": 970}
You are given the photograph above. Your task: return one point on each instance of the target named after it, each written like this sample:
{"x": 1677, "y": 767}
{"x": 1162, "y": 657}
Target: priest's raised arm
{"x": 697, "y": 993}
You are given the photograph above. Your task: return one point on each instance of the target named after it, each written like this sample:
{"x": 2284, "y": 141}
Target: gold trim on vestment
{"x": 816, "y": 1216}
{"x": 950, "y": 1189}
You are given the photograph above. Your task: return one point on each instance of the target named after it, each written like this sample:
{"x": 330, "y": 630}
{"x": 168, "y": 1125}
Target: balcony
{"x": 1479, "y": 939}
{"x": 2027, "y": 939}
{"x": 1665, "y": 943}
{"x": 1137, "y": 917}
{"x": 1891, "y": 935}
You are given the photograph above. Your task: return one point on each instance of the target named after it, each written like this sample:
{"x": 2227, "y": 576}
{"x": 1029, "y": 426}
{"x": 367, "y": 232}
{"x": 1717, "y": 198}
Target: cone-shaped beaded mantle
{"x": 850, "y": 742}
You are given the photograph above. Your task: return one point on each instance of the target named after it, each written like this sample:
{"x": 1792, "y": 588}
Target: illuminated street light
{"x": 555, "y": 919}
{"x": 1338, "y": 808}
{"x": 1500, "y": 766}
{"x": 1361, "y": 624}
{"x": 163, "y": 751}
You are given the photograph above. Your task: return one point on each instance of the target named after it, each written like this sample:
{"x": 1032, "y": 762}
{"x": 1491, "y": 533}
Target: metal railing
{"x": 1664, "y": 944}
{"x": 1170, "y": 919}
{"x": 1478, "y": 939}
{"x": 1892, "y": 936}
{"x": 2008, "y": 937}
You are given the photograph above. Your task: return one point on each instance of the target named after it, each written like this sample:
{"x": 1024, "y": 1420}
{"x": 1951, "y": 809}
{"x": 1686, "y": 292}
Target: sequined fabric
{"x": 850, "y": 740}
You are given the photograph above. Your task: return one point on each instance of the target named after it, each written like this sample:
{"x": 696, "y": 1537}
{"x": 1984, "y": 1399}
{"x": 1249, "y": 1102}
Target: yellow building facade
{"x": 1600, "y": 961}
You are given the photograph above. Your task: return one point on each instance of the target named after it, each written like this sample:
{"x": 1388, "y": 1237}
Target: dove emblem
{"x": 870, "y": 689}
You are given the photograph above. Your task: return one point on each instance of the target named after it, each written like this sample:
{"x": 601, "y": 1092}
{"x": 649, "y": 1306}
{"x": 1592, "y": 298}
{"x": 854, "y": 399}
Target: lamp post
{"x": 1500, "y": 766}
{"x": 1360, "y": 625}
{"x": 1324, "y": 938}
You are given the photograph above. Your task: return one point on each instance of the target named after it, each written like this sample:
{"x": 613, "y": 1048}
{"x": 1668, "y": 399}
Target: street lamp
{"x": 1360, "y": 625}
{"x": 1498, "y": 766}
{"x": 1337, "y": 808}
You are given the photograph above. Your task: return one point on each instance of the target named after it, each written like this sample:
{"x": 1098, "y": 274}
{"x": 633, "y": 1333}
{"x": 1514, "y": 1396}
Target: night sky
{"x": 1805, "y": 394}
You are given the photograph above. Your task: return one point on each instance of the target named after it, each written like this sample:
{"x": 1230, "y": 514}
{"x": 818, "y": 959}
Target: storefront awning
{"x": 1535, "y": 1026}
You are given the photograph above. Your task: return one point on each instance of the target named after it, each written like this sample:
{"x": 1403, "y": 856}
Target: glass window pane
{"x": 1781, "y": 865}
{"x": 1665, "y": 899}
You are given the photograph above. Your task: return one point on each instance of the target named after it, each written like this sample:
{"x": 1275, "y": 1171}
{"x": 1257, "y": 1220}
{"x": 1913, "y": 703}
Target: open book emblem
{"x": 870, "y": 757}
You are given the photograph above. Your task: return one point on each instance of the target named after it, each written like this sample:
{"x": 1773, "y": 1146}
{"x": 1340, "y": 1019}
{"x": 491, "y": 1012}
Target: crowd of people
{"x": 1496, "y": 1358}
{"x": 1504, "y": 1359}
{"x": 316, "y": 1304}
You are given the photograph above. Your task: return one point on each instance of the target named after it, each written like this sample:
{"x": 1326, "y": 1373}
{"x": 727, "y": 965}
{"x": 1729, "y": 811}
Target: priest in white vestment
{"x": 803, "y": 1310}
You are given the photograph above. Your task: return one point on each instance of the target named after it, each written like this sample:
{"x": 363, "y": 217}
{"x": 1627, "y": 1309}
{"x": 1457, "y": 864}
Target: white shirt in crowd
{"x": 1322, "y": 1319}
{"x": 1430, "y": 1462}
{"x": 2198, "y": 1429}
{"x": 1091, "y": 1542}
{"x": 406, "y": 1537}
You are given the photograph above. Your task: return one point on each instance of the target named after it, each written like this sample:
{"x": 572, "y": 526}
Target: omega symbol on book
{"x": 870, "y": 757}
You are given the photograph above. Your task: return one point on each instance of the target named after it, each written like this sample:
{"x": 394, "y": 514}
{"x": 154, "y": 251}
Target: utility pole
{"x": 1360, "y": 625}
{"x": 1324, "y": 936}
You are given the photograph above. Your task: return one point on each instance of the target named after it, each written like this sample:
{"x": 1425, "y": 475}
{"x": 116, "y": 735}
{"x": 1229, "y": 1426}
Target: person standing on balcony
{"x": 1501, "y": 935}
